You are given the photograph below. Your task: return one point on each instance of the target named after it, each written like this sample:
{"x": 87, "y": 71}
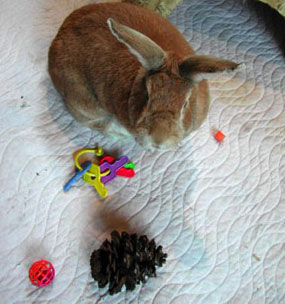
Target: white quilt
{"x": 217, "y": 209}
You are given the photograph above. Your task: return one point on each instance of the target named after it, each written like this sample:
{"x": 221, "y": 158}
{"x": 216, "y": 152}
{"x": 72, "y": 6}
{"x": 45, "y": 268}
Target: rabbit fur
{"x": 125, "y": 70}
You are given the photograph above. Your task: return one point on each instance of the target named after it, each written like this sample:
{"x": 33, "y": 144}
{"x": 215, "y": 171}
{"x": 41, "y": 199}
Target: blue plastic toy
{"x": 86, "y": 166}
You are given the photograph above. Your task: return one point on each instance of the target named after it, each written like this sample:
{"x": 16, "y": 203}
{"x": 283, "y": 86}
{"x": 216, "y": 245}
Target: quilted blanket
{"x": 217, "y": 209}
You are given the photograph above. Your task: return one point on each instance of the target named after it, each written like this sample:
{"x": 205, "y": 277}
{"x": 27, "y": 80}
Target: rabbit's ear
{"x": 197, "y": 68}
{"x": 149, "y": 54}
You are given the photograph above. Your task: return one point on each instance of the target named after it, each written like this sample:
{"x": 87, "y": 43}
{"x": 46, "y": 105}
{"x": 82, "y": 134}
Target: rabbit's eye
{"x": 186, "y": 104}
{"x": 187, "y": 98}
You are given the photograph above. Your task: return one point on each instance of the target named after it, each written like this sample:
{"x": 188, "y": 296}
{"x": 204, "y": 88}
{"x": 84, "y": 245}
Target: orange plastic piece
{"x": 219, "y": 136}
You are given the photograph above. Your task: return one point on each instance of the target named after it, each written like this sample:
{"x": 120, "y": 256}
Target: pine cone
{"x": 127, "y": 260}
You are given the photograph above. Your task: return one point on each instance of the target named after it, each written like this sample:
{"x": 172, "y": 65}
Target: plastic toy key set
{"x": 101, "y": 173}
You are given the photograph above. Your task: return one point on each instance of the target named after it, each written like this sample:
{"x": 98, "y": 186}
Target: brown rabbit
{"x": 125, "y": 70}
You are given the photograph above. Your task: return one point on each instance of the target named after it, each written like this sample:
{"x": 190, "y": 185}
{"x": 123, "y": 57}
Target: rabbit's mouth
{"x": 148, "y": 143}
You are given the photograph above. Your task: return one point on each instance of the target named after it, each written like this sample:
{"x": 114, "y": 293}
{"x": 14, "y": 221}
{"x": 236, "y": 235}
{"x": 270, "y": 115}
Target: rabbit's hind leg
{"x": 84, "y": 107}
{"x": 97, "y": 120}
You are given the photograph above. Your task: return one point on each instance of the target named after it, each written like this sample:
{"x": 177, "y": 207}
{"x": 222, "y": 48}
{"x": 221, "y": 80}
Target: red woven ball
{"x": 41, "y": 273}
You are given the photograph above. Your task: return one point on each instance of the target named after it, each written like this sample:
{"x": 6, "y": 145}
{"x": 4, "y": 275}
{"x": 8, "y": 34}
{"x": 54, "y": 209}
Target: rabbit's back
{"x": 85, "y": 53}
{"x": 89, "y": 25}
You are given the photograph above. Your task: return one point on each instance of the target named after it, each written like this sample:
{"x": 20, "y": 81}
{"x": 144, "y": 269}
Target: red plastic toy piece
{"x": 41, "y": 273}
{"x": 219, "y": 136}
{"x": 123, "y": 172}
{"x": 109, "y": 159}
